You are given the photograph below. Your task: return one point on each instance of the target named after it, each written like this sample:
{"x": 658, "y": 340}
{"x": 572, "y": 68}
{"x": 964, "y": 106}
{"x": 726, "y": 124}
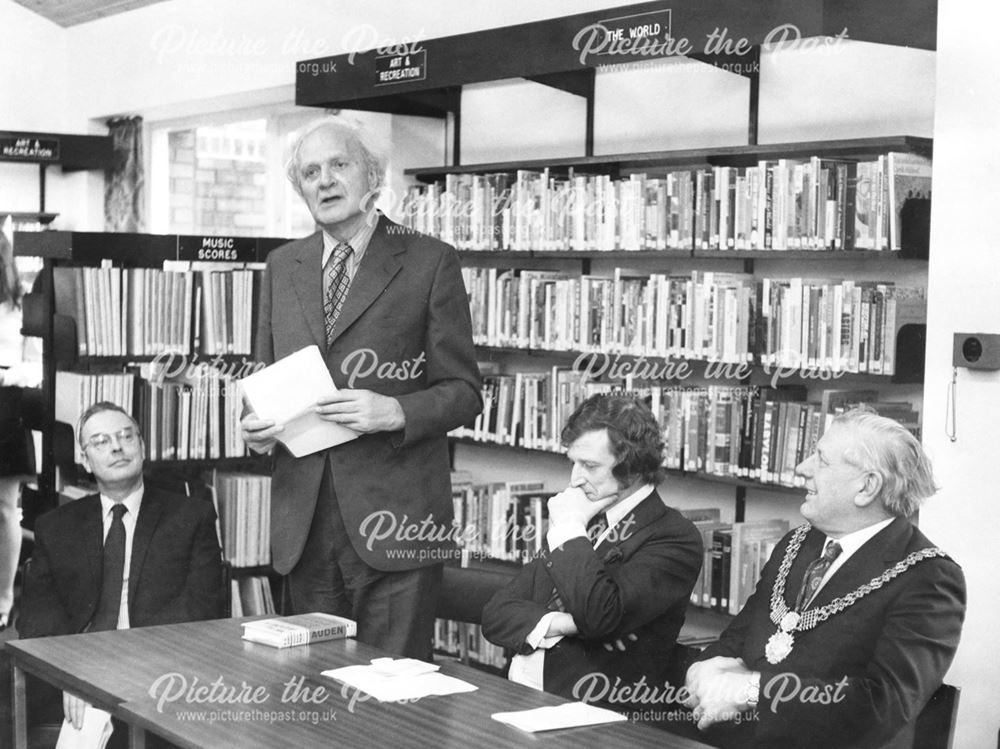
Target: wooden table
{"x": 200, "y": 685}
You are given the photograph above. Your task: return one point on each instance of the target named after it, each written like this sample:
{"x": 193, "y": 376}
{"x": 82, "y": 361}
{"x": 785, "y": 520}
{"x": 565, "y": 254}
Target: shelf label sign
{"x": 633, "y": 37}
{"x": 224, "y": 249}
{"x": 29, "y": 149}
{"x": 411, "y": 66}
{"x": 637, "y": 28}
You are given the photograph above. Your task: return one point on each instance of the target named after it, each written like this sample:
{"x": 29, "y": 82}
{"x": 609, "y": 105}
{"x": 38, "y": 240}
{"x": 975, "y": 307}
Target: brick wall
{"x": 215, "y": 195}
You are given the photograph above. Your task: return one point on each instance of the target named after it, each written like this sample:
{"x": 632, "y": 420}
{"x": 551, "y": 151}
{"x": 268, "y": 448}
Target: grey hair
{"x": 374, "y": 152}
{"x": 887, "y": 448}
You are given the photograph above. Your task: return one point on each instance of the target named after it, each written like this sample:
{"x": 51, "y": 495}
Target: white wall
{"x": 187, "y": 57}
{"x": 34, "y": 88}
{"x": 964, "y": 296}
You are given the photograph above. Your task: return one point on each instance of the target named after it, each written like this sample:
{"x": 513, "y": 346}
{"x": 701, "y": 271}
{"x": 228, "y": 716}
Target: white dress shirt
{"x": 359, "y": 244}
{"x": 849, "y": 544}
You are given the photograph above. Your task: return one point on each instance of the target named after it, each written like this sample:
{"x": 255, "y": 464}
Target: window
{"x": 225, "y": 175}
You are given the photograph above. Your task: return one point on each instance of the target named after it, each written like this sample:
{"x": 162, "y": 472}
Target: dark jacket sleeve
{"x": 606, "y": 599}
{"x": 452, "y": 396}
{"x": 512, "y": 612}
{"x": 612, "y": 600}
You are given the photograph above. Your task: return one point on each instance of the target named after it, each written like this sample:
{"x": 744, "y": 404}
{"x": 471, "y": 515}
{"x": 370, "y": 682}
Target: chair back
{"x": 464, "y": 592}
{"x": 935, "y": 726}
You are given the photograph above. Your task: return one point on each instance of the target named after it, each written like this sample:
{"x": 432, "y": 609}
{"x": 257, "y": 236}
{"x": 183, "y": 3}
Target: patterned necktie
{"x": 335, "y": 284}
{"x": 109, "y": 604}
{"x": 814, "y": 574}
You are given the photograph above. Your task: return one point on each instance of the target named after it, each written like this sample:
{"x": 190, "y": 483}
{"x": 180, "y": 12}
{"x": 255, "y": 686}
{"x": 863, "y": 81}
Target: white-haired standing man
{"x": 361, "y": 528}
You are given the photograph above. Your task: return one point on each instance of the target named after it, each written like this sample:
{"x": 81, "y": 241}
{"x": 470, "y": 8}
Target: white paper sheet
{"x": 570, "y": 715}
{"x": 286, "y": 393}
{"x": 389, "y": 680}
{"x": 94, "y": 733}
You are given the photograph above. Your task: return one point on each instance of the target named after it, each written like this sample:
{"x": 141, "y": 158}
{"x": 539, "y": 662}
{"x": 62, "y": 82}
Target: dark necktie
{"x": 597, "y": 525}
{"x": 335, "y": 284}
{"x": 112, "y": 574}
{"x": 814, "y": 574}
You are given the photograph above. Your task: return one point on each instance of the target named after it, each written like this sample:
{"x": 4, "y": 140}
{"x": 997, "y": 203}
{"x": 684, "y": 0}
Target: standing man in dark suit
{"x": 361, "y": 529}
{"x": 169, "y": 566}
{"x": 567, "y": 614}
{"x": 856, "y": 617}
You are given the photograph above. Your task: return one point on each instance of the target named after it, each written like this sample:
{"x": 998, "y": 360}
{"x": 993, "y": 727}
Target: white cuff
{"x": 536, "y": 637}
{"x": 563, "y": 532}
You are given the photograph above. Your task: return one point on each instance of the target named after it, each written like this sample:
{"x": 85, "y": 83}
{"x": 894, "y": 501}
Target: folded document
{"x": 286, "y": 393}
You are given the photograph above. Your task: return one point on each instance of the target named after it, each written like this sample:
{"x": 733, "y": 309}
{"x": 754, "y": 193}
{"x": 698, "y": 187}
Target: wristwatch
{"x": 753, "y": 690}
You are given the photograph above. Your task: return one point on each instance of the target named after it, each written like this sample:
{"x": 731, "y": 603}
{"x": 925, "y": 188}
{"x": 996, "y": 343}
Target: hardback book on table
{"x": 300, "y": 629}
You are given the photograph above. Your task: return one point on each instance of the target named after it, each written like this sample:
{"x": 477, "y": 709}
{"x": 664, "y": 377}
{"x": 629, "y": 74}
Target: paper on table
{"x": 570, "y": 715}
{"x": 286, "y": 393}
{"x": 389, "y": 680}
{"x": 93, "y": 734}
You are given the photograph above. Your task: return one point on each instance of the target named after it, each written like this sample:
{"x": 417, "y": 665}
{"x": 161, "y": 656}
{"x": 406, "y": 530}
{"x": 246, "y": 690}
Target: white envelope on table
{"x": 286, "y": 393}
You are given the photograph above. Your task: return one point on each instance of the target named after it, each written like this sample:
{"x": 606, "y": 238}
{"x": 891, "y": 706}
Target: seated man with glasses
{"x": 129, "y": 556}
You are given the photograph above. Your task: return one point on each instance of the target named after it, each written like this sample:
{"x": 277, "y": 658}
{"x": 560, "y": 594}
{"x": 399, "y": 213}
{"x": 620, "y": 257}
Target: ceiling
{"x": 72, "y": 12}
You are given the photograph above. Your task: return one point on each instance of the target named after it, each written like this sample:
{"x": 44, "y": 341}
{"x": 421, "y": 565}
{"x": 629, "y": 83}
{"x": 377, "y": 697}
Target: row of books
{"x": 734, "y": 553}
{"x": 756, "y": 433}
{"x": 500, "y": 520}
{"x": 835, "y": 325}
{"x": 811, "y": 203}
{"x": 459, "y": 639}
{"x": 251, "y": 596}
{"x": 148, "y": 311}
{"x": 180, "y": 420}
{"x": 243, "y": 504}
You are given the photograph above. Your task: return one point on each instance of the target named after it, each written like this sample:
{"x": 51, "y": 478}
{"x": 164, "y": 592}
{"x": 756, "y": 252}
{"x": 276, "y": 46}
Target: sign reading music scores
{"x": 29, "y": 149}
{"x": 399, "y": 68}
{"x": 228, "y": 249}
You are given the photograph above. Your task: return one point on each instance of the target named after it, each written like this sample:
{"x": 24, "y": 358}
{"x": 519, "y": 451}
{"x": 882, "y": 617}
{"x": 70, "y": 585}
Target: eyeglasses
{"x": 102, "y": 442}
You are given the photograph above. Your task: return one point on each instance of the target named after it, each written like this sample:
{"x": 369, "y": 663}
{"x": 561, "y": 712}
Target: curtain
{"x": 124, "y": 183}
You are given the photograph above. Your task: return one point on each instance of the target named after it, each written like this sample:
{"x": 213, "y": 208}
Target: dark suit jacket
{"x": 175, "y": 572}
{"x": 893, "y": 646}
{"x": 407, "y": 303}
{"x": 640, "y": 586}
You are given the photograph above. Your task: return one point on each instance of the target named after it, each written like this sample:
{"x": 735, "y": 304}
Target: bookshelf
{"x": 112, "y": 285}
{"x": 441, "y": 68}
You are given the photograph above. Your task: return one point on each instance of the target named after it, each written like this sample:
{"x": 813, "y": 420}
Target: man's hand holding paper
{"x": 362, "y": 410}
{"x": 285, "y": 405}
{"x": 261, "y": 435}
